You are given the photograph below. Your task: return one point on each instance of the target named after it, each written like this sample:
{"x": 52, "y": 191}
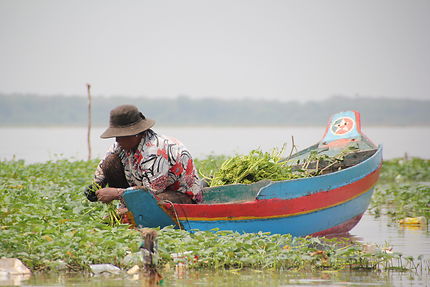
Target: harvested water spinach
{"x": 259, "y": 165}
{"x": 255, "y": 166}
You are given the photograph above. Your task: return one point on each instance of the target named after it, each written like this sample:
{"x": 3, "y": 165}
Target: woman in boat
{"x": 141, "y": 157}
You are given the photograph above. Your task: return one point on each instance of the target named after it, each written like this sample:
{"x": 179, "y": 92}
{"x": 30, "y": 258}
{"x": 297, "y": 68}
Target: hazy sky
{"x": 304, "y": 49}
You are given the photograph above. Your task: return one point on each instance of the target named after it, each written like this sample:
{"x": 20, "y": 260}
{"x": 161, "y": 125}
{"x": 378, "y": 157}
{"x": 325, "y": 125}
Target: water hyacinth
{"x": 403, "y": 191}
{"x": 406, "y": 170}
{"x": 231, "y": 250}
{"x": 46, "y": 221}
{"x": 400, "y": 201}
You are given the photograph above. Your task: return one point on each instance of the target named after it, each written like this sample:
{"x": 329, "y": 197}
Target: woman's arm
{"x": 108, "y": 194}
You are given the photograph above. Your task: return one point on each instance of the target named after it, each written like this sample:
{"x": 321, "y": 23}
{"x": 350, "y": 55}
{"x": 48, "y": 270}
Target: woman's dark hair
{"x": 113, "y": 171}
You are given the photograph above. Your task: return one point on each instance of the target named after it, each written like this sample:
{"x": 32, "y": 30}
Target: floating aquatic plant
{"x": 401, "y": 200}
{"x": 406, "y": 170}
{"x": 46, "y": 221}
{"x": 402, "y": 191}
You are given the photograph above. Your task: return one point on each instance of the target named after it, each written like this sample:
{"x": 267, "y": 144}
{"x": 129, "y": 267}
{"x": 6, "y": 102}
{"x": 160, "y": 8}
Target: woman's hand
{"x": 108, "y": 194}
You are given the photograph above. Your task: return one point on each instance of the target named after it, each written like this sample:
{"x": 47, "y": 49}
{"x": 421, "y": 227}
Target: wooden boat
{"x": 331, "y": 203}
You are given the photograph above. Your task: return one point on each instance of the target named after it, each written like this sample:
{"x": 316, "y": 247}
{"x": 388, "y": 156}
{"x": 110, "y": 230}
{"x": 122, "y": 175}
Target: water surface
{"x": 43, "y": 144}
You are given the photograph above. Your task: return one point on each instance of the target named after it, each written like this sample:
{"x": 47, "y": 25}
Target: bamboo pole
{"x": 89, "y": 122}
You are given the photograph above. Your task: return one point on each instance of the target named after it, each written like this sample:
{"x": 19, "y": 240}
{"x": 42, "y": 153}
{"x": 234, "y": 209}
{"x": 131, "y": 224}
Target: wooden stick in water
{"x": 89, "y": 122}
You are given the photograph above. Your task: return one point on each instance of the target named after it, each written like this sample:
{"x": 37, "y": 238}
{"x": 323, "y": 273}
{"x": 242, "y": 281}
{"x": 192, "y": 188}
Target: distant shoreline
{"x": 44, "y": 111}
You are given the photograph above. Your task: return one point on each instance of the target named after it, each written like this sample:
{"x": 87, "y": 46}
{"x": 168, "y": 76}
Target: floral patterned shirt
{"x": 159, "y": 163}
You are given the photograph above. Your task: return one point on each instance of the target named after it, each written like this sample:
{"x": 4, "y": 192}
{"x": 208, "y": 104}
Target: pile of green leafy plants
{"x": 258, "y": 165}
{"x": 46, "y": 221}
{"x": 403, "y": 189}
{"x": 252, "y": 167}
{"x": 209, "y": 165}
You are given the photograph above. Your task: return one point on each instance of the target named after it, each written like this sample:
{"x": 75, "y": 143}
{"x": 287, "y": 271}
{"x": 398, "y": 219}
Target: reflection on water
{"x": 408, "y": 240}
{"x": 240, "y": 278}
{"x": 15, "y": 280}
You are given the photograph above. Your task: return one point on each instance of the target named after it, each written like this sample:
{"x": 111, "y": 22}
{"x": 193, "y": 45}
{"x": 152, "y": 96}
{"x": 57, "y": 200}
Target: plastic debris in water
{"x": 13, "y": 266}
{"x": 104, "y": 268}
{"x": 133, "y": 270}
{"x": 421, "y": 220}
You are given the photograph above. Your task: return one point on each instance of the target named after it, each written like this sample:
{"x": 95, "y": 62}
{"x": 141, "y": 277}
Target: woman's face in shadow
{"x": 129, "y": 143}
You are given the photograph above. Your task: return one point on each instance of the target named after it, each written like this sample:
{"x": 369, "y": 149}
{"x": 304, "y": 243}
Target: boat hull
{"x": 319, "y": 211}
{"x": 334, "y": 220}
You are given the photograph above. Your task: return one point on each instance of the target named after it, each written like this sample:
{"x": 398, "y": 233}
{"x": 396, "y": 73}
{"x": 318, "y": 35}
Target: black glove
{"x": 90, "y": 192}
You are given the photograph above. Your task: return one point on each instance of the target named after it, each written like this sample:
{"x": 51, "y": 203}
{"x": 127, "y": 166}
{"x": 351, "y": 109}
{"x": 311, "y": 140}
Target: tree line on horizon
{"x": 36, "y": 110}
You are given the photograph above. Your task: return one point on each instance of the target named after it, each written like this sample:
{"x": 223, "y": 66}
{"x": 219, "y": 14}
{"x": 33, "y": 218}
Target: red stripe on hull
{"x": 278, "y": 207}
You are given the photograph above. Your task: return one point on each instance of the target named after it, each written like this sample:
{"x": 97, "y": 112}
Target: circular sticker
{"x": 342, "y": 126}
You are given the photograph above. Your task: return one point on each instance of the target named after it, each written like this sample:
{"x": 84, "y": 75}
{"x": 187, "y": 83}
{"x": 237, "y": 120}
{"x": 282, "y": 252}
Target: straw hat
{"x": 126, "y": 120}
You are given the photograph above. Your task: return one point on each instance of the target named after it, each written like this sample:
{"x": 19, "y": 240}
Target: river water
{"x": 43, "y": 144}
{"x": 245, "y": 278}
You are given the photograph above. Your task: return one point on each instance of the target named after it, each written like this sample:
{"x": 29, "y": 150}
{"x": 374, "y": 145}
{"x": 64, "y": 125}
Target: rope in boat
{"x": 176, "y": 213}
